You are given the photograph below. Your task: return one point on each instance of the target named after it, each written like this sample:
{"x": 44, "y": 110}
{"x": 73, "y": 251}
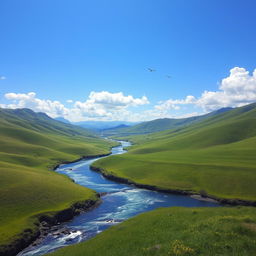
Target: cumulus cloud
{"x": 29, "y": 100}
{"x": 104, "y": 105}
{"x": 108, "y": 105}
{"x": 172, "y": 104}
{"x": 2, "y": 77}
{"x": 20, "y": 96}
{"x": 236, "y": 90}
{"x": 113, "y": 100}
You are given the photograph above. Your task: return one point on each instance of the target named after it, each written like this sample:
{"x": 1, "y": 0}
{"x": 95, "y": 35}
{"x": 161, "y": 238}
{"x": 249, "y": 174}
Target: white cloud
{"x": 236, "y": 90}
{"x": 106, "y": 104}
{"x": 172, "y": 104}
{"x": 20, "y": 96}
{"x": 29, "y": 100}
{"x": 99, "y": 105}
{"x": 2, "y": 77}
{"x": 114, "y": 100}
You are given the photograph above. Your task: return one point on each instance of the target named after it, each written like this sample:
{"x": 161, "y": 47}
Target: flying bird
{"x": 168, "y": 76}
{"x": 151, "y": 70}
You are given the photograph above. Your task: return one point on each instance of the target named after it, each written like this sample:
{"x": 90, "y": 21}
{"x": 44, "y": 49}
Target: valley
{"x": 213, "y": 157}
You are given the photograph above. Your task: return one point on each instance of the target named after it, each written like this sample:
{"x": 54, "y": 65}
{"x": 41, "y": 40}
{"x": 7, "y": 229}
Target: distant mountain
{"x": 101, "y": 125}
{"x": 116, "y": 127}
{"x": 158, "y": 125}
{"x": 62, "y": 119}
{"x": 219, "y": 111}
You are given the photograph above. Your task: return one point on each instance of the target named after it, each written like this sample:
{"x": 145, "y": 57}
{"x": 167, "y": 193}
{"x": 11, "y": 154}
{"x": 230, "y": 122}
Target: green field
{"x": 216, "y": 155}
{"x": 31, "y": 145}
{"x": 176, "y": 231}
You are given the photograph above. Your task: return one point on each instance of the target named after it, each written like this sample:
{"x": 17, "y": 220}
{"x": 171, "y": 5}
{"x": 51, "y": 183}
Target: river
{"x": 120, "y": 203}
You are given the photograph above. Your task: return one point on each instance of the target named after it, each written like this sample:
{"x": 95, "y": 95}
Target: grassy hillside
{"x": 176, "y": 231}
{"x": 159, "y": 125}
{"x": 31, "y": 145}
{"x": 216, "y": 155}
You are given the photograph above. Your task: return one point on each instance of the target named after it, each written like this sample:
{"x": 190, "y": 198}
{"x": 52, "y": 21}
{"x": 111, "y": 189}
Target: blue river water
{"x": 120, "y": 202}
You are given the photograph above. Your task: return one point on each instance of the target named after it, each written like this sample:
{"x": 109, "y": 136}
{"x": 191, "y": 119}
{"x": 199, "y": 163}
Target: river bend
{"x": 120, "y": 203}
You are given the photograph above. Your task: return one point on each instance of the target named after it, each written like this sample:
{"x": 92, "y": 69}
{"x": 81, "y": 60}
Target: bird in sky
{"x": 151, "y": 69}
{"x": 168, "y": 76}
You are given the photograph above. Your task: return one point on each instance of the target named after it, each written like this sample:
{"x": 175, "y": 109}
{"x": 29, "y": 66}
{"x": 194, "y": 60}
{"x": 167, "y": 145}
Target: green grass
{"x": 31, "y": 145}
{"x": 216, "y": 155}
{"x": 176, "y": 231}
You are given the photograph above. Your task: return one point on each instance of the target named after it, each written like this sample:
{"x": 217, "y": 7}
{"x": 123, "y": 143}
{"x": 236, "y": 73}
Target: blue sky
{"x": 89, "y": 51}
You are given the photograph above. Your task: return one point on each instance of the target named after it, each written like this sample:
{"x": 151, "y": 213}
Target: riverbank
{"x": 119, "y": 202}
{"x": 31, "y": 144}
{"x": 173, "y": 231}
{"x": 85, "y": 157}
{"x": 194, "y": 194}
{"x": 43, "y": 223}
{"x": 79, "y": 159}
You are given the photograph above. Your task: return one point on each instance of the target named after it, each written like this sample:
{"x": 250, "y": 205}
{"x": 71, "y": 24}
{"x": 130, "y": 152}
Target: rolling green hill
{"x": 215, "y": 155}
{"x": 31, "y": 145}
{"x": 159, "y": 125}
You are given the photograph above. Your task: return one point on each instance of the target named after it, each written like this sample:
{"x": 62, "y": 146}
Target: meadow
{"x": 31, "y": 145}
{"x": 176, "y": 231}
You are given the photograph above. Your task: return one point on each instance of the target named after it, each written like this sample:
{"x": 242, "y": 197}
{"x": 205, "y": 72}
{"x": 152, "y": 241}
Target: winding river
{"x": 120, "y": 202}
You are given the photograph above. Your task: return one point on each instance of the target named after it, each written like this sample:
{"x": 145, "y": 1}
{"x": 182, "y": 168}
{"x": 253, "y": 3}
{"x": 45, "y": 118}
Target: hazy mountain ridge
{"x": 158, "y": 125}
{"x": 102, "y": 125}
